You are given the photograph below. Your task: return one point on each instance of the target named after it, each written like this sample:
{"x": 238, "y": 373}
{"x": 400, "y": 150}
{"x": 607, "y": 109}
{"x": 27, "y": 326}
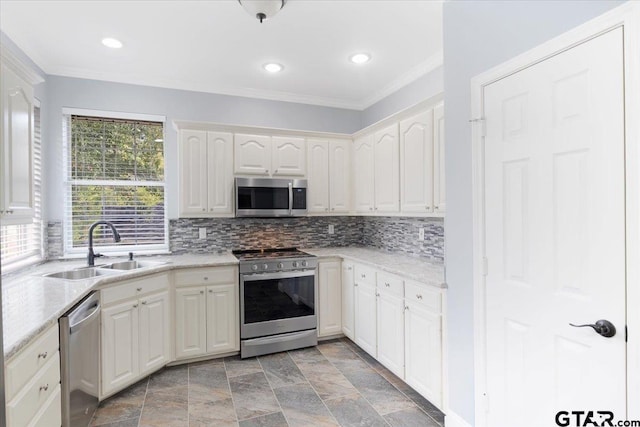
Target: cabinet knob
{"x": 275, "y": 171}
{"x": 435, "y": 208}
{"x": 333, "y": 209}
{"x": 355, "y": 284}
{"x": 266, "y": 171}
{"x": 9, "y": 211}
{"x": 386, "y": 284}
{"x": 203, "y": 209}
{"x": 210, "y": 291}
{"x": 418, "y": 296}
{"x": 202, "y": 292}
{"x": 370, "y": 209}
{"x": 138, "y": 289}
{"x": 44, "y": 387}
{"x": 349, "y": 268}
{"x": 206, "y": 277}
{"x": 43, "y": 355}
{"x": 406, "y": 308}
{"x": 211, "y": 209}
{"x": 377, "y": 294}
{"x": 135, "y": 305}
{"x": 376, "y": 208}
{"x": 144, "y": 303}
{"x": 363, "y": 275}
{"x": 326, "y": 209}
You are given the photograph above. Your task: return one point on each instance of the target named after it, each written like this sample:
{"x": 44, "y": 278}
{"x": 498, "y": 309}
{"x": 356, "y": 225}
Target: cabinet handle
{"x": 144, "y": 303}
{"x": 44, "y": 387}
{"x": 9, "y": 211}
{"x": 138, "y": 289}
{"x": 210, "y": 291}
{"x": 206, "y": 278}
{"x": 135, "y": 305}
{"x": 202, "y": 292}
{"x": 203, "y": 209}
{"x": 266, "y": 171}
{"x": 43, "y": 355}
{"x": 418, "y": 296}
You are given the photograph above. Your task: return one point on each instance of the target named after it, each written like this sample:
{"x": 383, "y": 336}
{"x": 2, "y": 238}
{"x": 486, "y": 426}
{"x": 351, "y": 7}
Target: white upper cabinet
{"x": 17, "y": 199}
{"x": 318, "y": 177}
{"x": 329, "y": 176}
{"x": 339, "y": 175}
{"x": 363, "y": 170}
{"x": 416, "y": 163}
{"x": 387, "y": 176}
{"x": 439, "y": 195}
{"x": 252, "y": 154}
{"x": 206, "y": 174}
{"x": 289, "y": 156}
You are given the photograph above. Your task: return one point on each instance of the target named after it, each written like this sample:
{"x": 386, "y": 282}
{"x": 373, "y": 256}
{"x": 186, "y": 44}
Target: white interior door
{"x": 555, "y": 236}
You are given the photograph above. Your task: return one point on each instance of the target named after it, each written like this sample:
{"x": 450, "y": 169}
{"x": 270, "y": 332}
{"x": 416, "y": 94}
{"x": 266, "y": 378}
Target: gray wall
{"x": 429, "y": 85}
{"x": 477, "y": 36}
{"x": 175, "y": 105}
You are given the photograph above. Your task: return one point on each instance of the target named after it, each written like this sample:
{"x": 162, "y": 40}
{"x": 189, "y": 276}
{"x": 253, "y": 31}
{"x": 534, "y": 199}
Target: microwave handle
{"x": 290, "y": 198}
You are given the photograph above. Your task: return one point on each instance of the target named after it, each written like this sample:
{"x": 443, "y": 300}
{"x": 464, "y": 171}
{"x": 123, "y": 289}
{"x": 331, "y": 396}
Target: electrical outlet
{"x": 202, "y": 232}
{"x": 421, "y": 234}
{"x": 332, "y": 230}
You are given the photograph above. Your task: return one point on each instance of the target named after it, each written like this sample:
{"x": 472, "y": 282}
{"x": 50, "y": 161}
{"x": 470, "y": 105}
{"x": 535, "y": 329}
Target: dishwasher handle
{"x": 89, "y": 317}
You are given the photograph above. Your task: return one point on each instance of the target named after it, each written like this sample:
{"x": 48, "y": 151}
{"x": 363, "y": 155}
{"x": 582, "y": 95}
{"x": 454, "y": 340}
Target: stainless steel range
{"x": 277, "y": 300}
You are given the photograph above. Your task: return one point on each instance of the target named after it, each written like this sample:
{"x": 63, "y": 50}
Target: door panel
{"x": 318, "y": 184}
{"x": 289, "y": 156}
{"x": 193, "y": 172}
{"x": 220, "y": 172}
{"x": 339, "y": 175}
{"x": 119, "y": 345}
{"x": 365, "y": 323}
{"x": 154, "y": 344}
{"x": 191, "y": 318}
{"x": 416, "y": 163}
{"x": 555, "y": 235}
{"x": 363, "y": 170}
{"x": 222, "y": 318}
{"x": 386, "y": 171}
{"x": 252, "y": 154}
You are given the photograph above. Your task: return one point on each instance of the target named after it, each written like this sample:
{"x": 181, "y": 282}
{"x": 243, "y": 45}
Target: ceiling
{"x": 216, "y": 46}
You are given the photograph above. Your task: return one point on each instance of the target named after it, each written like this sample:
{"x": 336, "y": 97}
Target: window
{"x": 22, "y": 244}
{"x": 115, "y": 173}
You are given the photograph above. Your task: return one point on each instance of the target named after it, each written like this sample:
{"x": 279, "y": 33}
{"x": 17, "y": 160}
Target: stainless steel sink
{"x": 133, "y": 264}
{"x": 80, "y": 274}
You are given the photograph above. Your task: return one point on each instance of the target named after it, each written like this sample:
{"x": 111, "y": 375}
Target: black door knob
{"x": 603, "y": 327}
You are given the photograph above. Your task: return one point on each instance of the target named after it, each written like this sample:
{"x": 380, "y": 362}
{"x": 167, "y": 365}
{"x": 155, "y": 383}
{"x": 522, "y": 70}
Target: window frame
{"x": 67, "y": 235}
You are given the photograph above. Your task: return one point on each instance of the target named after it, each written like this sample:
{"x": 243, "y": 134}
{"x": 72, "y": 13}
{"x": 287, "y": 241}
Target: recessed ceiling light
{"x": 360, "y": 58}
{"x": 272, "y": 67}
{"x": 112, "y": 43}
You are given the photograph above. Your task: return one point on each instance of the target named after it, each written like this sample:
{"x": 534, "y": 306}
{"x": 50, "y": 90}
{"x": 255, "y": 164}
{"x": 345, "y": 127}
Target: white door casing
{"x": 555, "y": 235}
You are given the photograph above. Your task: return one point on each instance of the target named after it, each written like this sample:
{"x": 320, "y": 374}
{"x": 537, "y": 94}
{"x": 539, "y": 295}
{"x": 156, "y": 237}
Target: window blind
{"x": 21, "y": 242}
{"x": 115, "y": 172}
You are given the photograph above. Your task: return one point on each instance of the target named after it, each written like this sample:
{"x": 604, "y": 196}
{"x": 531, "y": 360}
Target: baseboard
{"x": 454, "y": 420}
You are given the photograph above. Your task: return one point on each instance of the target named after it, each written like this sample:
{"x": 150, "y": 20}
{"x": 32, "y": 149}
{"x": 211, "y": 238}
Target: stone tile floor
{"x": 333, "y": 384}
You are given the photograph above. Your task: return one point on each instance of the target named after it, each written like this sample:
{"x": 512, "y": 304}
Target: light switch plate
{"x": 202, "y": 233}
{"x": 421, "y": 234}
{"x": 331, "y": 230}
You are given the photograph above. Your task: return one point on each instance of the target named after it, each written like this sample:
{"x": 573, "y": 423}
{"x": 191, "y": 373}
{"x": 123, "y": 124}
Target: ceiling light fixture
{"x": 360, "y": 58}
{"x": 112, "y": 43}
{"x": 262, "y": 9}
{"x": 273, "y": 67}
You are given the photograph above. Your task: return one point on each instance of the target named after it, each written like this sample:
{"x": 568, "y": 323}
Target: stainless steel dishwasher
{"x": 80, "y": 361}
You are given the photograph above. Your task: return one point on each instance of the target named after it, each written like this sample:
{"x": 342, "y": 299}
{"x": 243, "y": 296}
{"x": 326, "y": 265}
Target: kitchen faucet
{"x": 116, "y": 238}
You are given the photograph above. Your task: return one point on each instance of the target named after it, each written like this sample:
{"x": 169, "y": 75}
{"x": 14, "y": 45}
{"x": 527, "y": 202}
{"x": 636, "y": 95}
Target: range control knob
{"x": 280, "y": 265}
{"x": 304, "y": 263}
{"x": 294, "y": 263}
{"x": 265, "y": 266}
{"x": 254, "y": 267}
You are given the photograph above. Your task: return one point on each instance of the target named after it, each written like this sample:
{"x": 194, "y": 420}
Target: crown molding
{"x": 9, "y": 59}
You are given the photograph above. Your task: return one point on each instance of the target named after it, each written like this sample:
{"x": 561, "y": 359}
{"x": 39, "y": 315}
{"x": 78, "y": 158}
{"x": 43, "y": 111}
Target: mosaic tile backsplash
{"x": 394, "y": 234}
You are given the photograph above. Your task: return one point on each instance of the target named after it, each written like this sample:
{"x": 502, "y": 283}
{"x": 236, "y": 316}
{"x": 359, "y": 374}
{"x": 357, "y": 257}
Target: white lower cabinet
{"x": 348, "y": 300}
{"x": 390, "y": 331}
{"x": 134, "y": 332}
{"x": 329, "y": 298}
{"x": 207, "y": 312}
{"x": 365, "y": 317}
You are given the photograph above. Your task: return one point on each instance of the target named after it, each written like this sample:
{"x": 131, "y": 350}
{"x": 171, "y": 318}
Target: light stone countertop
{"x": 419, "y": 269}
{"x": 32, "y": 303}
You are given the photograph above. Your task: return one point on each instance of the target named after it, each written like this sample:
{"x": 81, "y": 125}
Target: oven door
{"x": 275, "y": 303}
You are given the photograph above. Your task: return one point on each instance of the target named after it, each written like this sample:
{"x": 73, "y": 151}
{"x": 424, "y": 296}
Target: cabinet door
{"x": 439, "y": 195}
{"x": 289, "y": 156}
{"x": 222, "y": 318}
{"x": 365, "y": 321}
{"x": 318, "y": 179}
{"x": 330, "y": 298}
{"x": 416, "y": 163}
{"x": 119, "y": 345}
{"x": 390, "y": 322}
{"x": 191, "y": 318}
{"x": 363, "y": 169}
{"x": 193, "y": 172}
{"x": 154, "y": 344}
{"x": 220, "y": 173}
{"x": 339, "y": 176}
{"x": 252, "y": 154}
{"x": 17, "y": 204}
{"x": 348, "y": 300}
{"x": 423, "y": 352}
{"x": 387, "y": 175}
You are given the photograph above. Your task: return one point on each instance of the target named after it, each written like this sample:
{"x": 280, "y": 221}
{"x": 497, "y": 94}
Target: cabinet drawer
{"x": 134, "y": 288}
{"x": 364, "y": 274}
{"x": 391, "y": 284}
{"x": 22, "y": 409}
{"x": 207, "y": 276}
{"x": 428, "y": 297}
{"x": 51, "y": 413}
{"x": 27, "y": 363}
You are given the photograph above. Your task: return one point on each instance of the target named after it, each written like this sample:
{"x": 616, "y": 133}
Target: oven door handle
{"x": 290, "y": 198}
{"x": 278, "y": 275}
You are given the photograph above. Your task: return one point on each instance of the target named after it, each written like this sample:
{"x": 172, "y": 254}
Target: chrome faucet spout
{"x": 116, "y": 238}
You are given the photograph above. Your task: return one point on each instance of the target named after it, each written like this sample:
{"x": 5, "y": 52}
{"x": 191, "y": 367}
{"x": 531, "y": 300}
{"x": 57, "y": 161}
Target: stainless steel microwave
{"x": 270, "y": 197}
